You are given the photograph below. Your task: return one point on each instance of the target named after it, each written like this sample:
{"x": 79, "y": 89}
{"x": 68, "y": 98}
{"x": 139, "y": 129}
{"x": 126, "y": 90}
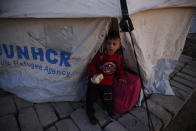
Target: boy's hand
{"x": 122, "y": 81}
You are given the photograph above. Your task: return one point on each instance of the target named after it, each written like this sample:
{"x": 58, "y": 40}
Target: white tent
{"x": 45, "y": 46}
{"x": 193, "y": 25}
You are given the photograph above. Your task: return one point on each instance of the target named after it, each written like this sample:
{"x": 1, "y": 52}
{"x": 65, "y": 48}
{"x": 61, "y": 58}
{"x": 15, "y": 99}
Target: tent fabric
{"x": 193, "y": 25}
{"x": 46, "y": 59}
{"x": 36, "y": 65}
{"x": 81, "y": 8}
{"x": 159, "y": 36}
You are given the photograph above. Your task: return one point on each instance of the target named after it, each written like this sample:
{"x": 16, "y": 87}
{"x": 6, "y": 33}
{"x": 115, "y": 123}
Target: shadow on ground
{"x": 186, "y": 119}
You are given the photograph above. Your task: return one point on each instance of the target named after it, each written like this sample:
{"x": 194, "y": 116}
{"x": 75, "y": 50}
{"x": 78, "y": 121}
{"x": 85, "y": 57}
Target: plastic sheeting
{"x": 81, "y": 8}
{"x": 159, "y": 80}
{"x": 45, "y": 59}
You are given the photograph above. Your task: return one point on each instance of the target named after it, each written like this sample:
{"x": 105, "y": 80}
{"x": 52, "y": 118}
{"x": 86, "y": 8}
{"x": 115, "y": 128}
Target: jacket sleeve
{"x": 93, "y": 66}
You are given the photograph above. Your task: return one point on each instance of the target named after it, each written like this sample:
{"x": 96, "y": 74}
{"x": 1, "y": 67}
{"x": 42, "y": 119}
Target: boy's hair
{"x": 113, "y": 34}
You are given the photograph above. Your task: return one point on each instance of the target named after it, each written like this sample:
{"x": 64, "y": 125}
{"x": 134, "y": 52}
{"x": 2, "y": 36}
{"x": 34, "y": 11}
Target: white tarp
{"x": 81, "y": 8}
{"x": 45, "y": 59}
{"x": 193, "y": 25}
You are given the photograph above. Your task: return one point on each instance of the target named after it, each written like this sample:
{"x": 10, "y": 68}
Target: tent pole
{"x": 127, "y": 26}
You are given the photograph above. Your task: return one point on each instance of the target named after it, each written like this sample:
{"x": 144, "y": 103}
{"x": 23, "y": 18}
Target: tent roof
{"x": 81, "y": 8}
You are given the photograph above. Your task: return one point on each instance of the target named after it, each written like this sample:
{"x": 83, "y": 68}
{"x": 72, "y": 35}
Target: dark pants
{"x": 93, "y": 91}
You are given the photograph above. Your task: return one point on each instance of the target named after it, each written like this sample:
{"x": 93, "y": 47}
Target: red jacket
{"x": 109, "y": 65}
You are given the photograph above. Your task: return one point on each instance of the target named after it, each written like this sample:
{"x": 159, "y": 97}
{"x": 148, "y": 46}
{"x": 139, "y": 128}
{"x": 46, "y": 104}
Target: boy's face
{"x": 112, "y": 46}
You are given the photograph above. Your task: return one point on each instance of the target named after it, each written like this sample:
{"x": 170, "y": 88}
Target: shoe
{"x": 92, "y": 119}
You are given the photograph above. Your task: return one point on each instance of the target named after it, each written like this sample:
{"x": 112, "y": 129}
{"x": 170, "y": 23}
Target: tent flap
{"x": 159, "y": 37}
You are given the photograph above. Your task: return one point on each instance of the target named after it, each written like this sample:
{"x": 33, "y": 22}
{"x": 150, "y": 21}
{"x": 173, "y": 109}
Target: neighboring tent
{"x": 46, "y": 45}
{"x": 192, "y": 29}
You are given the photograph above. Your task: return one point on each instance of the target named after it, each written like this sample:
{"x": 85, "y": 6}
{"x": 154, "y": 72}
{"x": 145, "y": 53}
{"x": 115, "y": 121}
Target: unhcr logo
{"x": 31, "y": 53}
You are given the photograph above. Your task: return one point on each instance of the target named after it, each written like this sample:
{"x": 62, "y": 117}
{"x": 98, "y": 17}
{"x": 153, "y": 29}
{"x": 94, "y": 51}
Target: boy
{"x": 110, "y": 64}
